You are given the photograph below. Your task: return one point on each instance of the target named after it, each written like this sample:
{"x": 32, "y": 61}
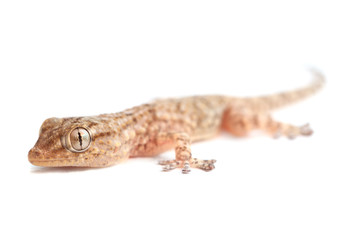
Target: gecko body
{"x": 150, "y": 129}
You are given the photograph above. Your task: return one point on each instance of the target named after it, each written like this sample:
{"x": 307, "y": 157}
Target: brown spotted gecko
{"x": 150, "y": 129}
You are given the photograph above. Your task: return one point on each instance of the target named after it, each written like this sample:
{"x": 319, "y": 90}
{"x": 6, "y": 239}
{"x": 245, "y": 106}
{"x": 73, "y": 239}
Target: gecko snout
{"x": 37, "y": 157}
{"x": 34, "y": 155}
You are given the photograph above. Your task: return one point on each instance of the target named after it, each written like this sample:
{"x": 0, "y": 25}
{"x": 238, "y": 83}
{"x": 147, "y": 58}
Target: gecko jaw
{"x": 37, "y": 158}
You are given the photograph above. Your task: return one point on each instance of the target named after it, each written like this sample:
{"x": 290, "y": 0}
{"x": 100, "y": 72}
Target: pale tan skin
{"x": 151, "y": 129}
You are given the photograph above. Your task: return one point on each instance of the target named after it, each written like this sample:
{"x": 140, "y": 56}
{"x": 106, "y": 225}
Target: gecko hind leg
{"x": 183, "y": 156}
{"x": 240, "y": 123}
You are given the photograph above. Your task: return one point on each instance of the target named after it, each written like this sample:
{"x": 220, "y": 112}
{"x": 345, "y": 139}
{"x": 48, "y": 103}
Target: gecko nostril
{"x": 34, "y": 153}
{"x": 36, "y": 156}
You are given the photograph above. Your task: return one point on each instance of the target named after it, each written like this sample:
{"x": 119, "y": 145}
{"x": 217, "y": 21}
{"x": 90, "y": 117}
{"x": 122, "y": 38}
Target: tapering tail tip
{"x": 281, "y": 99}
{"x": 318, "y": 76}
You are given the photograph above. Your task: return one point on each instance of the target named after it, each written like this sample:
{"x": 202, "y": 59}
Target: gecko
{"x": 150, "y": 129}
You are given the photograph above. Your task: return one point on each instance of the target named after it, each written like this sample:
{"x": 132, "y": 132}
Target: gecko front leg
{"x": 183, "y": 156}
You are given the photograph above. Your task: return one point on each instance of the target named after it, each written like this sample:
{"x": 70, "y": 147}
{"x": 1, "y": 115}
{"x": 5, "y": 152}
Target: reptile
{"x": 150, "y": 129}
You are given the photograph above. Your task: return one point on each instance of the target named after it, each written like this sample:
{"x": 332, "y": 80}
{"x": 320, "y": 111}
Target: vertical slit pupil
{"x": 80, "y": 139}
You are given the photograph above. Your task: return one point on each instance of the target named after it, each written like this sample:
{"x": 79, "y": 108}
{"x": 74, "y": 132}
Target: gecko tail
{"x": 282, "y": 99}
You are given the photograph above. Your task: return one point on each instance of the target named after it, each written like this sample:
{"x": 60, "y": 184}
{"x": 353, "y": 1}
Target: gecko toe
{"x": 206, "y": 165}
{"x": 306, "y": 130}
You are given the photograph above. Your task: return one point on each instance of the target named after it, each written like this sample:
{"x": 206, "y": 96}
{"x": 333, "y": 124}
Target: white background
{"x": 73, "y": 58}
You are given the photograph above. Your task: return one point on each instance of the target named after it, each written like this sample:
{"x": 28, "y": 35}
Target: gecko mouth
{"x": 50, "y": 163}
{"x": 37, "y": 158}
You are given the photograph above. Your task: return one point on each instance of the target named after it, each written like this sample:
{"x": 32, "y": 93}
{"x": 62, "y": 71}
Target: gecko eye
{"x": 78, "y": 140}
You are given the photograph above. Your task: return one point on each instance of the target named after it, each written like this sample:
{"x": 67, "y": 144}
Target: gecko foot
{"x": 306, "y": 130}
{"x": 292, "y": 132}
{"x": 168, "y": 165}
{"x": 206, "y": 165}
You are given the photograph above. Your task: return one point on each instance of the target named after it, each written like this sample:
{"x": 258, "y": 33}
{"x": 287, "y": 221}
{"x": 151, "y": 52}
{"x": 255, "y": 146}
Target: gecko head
{"x": 80, "y": 142}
